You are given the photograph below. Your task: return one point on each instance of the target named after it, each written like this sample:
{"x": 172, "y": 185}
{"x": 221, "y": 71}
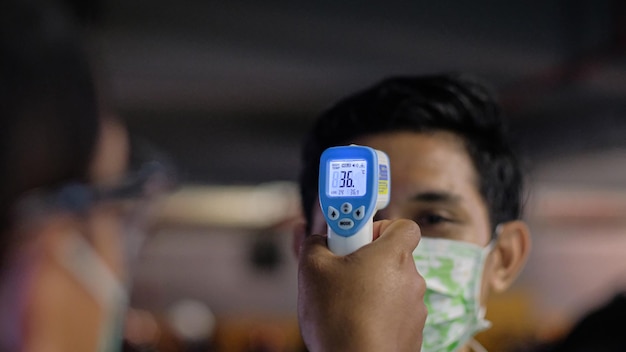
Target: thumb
{"x": 401, "y": 235}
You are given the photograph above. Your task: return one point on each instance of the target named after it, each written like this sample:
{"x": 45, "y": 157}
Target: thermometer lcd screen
{"x": 347, "y": 178}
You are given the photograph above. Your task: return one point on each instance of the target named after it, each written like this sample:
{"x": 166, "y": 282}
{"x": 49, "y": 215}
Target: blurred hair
{"x": 454, "y": 103}
{"x": 48, "y": 104}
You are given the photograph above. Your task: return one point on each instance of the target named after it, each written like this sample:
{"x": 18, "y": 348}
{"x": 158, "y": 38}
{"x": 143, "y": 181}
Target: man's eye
{"x": 431, "y": 219}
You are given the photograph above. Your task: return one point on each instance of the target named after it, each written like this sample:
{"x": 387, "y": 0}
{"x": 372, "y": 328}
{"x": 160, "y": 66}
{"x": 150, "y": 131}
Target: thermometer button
{"x": 359, "y": 213}
{"x": 333, "y": 214}
{"x": 345, "y": 224}
{"x": 346, "y": 208}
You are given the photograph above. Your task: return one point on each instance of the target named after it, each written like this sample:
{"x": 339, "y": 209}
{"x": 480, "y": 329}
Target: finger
{"x": 377, "y": 227}
{"x": 401, "y": 234}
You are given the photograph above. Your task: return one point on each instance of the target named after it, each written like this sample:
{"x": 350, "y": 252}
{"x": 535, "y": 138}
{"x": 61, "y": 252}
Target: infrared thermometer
{"x": 354, "y": 183}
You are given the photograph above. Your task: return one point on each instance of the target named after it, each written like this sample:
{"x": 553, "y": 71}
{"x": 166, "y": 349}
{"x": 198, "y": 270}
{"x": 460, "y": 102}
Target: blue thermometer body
{"x": 354, "y": 183}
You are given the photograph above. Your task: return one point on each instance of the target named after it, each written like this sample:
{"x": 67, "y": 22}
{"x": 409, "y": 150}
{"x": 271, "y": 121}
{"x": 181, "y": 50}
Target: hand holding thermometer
{"x": 354, "y": 183}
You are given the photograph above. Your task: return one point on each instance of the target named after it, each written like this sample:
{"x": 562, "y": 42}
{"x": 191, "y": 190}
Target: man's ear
{"x": 510, "y": 254}
{"x": 299, "y": 233}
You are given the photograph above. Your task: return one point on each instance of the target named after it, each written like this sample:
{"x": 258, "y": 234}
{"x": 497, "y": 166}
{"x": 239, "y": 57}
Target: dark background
{"x": 226, "y": 86}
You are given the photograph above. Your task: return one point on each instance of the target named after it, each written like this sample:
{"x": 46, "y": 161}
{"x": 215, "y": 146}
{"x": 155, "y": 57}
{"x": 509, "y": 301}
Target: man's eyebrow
{"x": 436, "y": 197}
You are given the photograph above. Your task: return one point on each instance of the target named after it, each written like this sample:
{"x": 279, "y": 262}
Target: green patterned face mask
{"x": 453, "y": 272}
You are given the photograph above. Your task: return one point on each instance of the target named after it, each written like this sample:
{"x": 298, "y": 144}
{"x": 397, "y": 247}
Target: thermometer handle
{"x": 341, "y": 245}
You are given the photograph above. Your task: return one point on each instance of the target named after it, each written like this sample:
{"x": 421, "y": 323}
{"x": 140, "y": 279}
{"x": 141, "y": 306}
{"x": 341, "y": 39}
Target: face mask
{"x": 452, "y": 271}
{"x": 84, "y": 263}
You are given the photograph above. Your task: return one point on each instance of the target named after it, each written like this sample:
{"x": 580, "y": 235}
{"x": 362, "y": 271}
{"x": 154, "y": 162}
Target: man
{"x": 66, "y": 204}
{"x": 454, "y": 174}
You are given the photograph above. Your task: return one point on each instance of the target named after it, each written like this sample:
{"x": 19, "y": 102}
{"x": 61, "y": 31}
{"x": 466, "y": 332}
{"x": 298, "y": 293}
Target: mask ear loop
{"x": 494, "y": 238}
{"x": 482, "y": 311}
{"x": 485, "y": 252}
{"x": 77, "y": 256}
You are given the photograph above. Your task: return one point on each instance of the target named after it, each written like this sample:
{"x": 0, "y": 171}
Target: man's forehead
{"x": 417, "y": 153}
{"x": 428, "y": 167}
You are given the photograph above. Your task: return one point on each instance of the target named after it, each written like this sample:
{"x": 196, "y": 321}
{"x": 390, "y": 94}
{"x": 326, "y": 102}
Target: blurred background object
{"x": 227, "y": 89}
{"x": 193, "y": 323}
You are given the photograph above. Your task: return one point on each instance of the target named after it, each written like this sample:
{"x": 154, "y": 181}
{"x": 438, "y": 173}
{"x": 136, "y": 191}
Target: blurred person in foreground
{"x": 453, "y": 172}
{"x": 68, "y": 206}
{"x": 64, "y": 200}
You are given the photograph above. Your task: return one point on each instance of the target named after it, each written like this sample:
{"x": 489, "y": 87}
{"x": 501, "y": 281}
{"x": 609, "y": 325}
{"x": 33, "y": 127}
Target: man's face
{"x": 433, "y": 182}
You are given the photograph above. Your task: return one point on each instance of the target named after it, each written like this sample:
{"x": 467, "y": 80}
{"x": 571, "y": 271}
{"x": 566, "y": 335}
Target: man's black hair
{"x": 453, "y": 103}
